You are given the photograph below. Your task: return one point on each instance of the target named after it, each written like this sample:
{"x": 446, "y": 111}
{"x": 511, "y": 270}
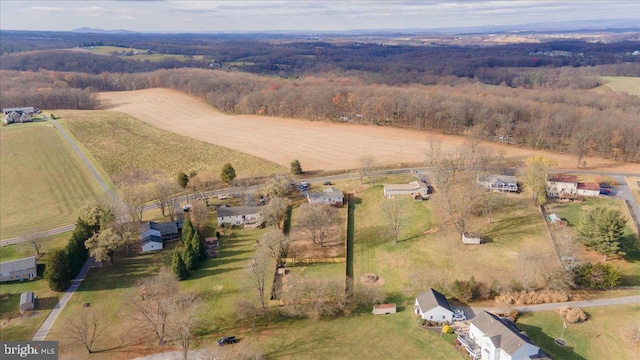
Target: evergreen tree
{"x": 187, "y": 230}
{"x": 57, "y": 271}
{"x": 189, "y": 256}
{"x": 76, "y": 251}
{"x": 296, "y": 169}
{"x": 601, "y": 229}
{"x": 228, "y": 173}
{"x": 178, "y": 266}
{"x": 183, "y": 180}
{"x": 198, "y": 247}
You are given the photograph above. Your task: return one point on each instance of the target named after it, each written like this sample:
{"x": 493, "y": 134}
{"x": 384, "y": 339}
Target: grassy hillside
{"x": 123, "y": 145}
{"x": 629, "y": 85}
{"x": 42, "y": 181}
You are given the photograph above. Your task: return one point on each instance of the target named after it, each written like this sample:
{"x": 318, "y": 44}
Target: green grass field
{"x": 42, "y": 181}
{"x": 629, "y": 264}
{"x": 429, "y": 252}
{"x": 22, "y": 250}
{"x": 142, "y": 56}
{"x": 124, "y": 145}
{"x": 607, "y": 333}
{"x": 14, "y": 326}
{"x": 629, "y": 85}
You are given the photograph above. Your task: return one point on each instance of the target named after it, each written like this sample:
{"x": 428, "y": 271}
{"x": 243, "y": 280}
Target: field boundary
{"x": 550, "y": 234}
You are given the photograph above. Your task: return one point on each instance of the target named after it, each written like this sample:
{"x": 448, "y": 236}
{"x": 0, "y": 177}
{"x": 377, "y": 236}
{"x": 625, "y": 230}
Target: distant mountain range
{"x": 575, "y": 25}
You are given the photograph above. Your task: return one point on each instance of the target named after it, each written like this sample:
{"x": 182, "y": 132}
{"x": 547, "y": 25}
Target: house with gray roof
{"x": 329, "y": 195}
{"x": 247, "y": 216}
{"x": 491, "y": 337}
{"x": 154, "y": 234}
{"x": 27, "y": 302}
{"x": 21, "y": 269}
{"x": 433, "y": 306}
{"x": 418, "y": 189}
{"x": 503, "y": 183}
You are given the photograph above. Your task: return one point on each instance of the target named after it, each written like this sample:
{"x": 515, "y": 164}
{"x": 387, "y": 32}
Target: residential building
{"x": 329, "y": 195}
{"x": 562, "y": 186}
{"x": 433, "y": 306}
{"x": 498, "y": 183}
{"x": 588, "y": 189}
{"x": 247, "y": 216}
{"x": 21, "y": 269}
{"x": 493, "y": 338}
{"x": 417, "y": 189}
{"x": 153, "y": 235}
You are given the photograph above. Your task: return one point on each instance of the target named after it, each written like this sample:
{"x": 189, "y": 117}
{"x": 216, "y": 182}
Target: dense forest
{"x": 514, "y": 94}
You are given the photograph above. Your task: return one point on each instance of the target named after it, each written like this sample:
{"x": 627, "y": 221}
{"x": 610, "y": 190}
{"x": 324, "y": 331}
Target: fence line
{"x": 313, "y": 260}
{"x": 551, "y": 236}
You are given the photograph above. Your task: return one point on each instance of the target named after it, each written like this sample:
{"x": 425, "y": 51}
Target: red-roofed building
{"x": 562, "y": 186}
{"x": 588, "y": 189}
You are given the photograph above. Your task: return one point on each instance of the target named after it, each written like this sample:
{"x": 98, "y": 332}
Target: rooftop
{"x": 563, "y": 178}
{"x": 237, "y": 210}
{"x": 503, "y": 333}
{"x": 431, "y": 299}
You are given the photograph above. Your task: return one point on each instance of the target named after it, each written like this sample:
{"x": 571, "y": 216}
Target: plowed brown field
{"x": 318, "y": 145}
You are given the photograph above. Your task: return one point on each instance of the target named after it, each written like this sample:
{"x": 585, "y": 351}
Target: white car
{"x": 458, "y": 315}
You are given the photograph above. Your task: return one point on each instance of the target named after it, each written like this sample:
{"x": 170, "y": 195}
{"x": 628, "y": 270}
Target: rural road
{"x": 624, "y": 193}
{"x": 44, "y": 329}
{"x": 625, "y": 300}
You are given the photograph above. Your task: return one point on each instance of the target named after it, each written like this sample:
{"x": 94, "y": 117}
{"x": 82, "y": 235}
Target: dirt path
{"x": 317, "y": 145}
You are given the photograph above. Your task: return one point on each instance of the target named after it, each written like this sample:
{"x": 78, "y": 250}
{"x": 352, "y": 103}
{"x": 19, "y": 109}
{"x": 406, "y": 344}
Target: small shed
{"x": 27, "y": 302}
{"x": 384, "y": 309}
{"x": 471, "y": 239}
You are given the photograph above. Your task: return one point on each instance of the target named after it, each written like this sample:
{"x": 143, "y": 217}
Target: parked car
{"x": 458, "y": 315}
{"x": 326, "y": 183}
{"x": 605, "y": 185}
{"x": 227, "y": 340}
{"x": 605, "y": 191}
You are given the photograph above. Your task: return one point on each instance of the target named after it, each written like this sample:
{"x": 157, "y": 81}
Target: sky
{"x": 301, "y": 15}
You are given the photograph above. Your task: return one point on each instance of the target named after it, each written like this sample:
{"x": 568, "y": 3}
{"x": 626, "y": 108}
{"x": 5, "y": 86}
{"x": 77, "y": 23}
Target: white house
{"x": 29, "y": 110}
{"x": 433, "y": 306}
{"x": 559, "y": 186}
{"x": 493, "y": 338}
{"x": 417, "y": 189}
{"x": 151, "y": 240}
{"x": 21, "y": 269}
{"x": 329, "y": 195}
{"x": 498, "y": 182}
{"x": 588, "y": 189}
{"x": 248, "y": 216}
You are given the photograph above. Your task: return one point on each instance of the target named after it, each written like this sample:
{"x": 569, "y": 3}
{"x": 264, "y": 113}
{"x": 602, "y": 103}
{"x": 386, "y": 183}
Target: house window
{"x": 443, "y": 317}
{"x": 431, "y": 317}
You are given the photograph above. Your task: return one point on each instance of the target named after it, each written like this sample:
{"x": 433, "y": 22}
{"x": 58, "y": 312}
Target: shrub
{"x": 596, "y": 276}
{"x": 572, "y": 315}
{"x": 532, "y": 297}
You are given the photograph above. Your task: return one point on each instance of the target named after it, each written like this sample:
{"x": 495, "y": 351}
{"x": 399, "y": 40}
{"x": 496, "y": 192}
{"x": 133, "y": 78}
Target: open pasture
{"x": 429, "y": 252}
{"x": 623, "y": 84}
{"x": 141, "y": 56}
{"x": 124, "y": 145}
{"x": 42, "y": 180}
{"x": 318, "y": 145}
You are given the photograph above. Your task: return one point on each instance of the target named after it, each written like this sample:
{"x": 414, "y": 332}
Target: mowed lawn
{"x": 629, "y": 264}
{"x": 23, "y": 249}
{"x": 430, "y": 252}
{"x": 42, "y": 180}
{"x": 607, "y": 334}
{"x": 123, "y": 145}
{"x": 14, "y": 326}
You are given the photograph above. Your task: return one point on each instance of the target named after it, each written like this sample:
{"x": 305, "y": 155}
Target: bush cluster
{"x": 596, "y": 276}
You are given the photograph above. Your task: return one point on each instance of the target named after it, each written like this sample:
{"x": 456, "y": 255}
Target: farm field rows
{"x": 42, "y": 181}
{"x": 317, "y": 145}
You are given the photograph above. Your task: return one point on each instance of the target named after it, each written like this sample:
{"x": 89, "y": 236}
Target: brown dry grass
{"x": 317, "y": 145}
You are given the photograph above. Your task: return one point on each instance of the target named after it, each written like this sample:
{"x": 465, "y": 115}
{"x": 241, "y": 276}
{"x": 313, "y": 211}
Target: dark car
{"x": 227, "y": 340}
{"x": 326, "y": 183}
{"x": 605, "y": 191}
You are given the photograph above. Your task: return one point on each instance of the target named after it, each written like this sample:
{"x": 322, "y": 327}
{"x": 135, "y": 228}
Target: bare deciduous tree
{"x": 85, "y": 329}
{"x": 182, "y": 320}
{"x": 199, "y": 214}
{"x": 258, "y": 274}
{"x": 36, "y": 237}
{"x": 394, "y": 210}
{"x": 200, "y": 185}
{"x": 365, "y": 165}
{"x": 277, "y": 186}
{"x": 134, "y": 198}
{"x": 162, "y": 194}
{"x": 275, "y": 242}
{"x": 456, "y": 201}
{"x": 275, "y": 211}
{"x": 433, "y": 151}
{"x": 318, "y": 219}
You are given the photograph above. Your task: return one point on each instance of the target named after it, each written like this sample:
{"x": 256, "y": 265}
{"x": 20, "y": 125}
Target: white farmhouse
{"x": 433, "y": 306}
{"x": 21, "y": 269}
{"x": 151, "y": 240}
{"x": 561, "y": 186}
{"x": 498, "y": 182}
{"x": 588, "y": 189}
{"x": 491, "y": 337}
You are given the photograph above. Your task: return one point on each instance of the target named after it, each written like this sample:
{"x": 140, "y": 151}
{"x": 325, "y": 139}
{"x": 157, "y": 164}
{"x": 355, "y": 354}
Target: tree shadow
{"x": 548, "y": 344}
{"x": 47, "y": 303}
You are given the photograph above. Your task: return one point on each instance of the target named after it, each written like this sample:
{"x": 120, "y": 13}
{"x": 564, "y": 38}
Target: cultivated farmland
{"x": 629, "y": 85}
{"x": 42, "y": 181}
{"x": 124, "y": 145}
{"x": 318, "y": 145}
